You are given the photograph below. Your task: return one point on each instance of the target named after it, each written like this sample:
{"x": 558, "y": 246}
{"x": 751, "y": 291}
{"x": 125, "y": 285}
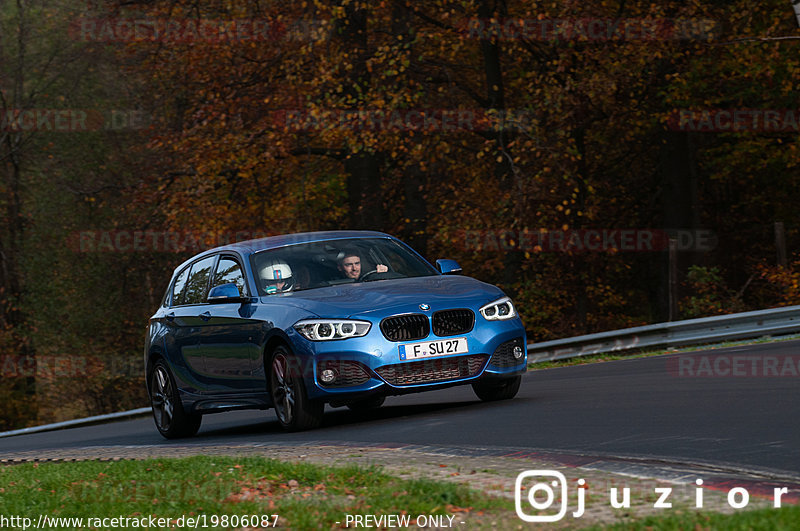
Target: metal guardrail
{"x": 746, "y": 325}
{"x": 78, "y": 422}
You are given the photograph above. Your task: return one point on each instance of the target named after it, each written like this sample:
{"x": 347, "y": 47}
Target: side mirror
{"x": 448, "y": 267}
{"x": 226, "y": 293}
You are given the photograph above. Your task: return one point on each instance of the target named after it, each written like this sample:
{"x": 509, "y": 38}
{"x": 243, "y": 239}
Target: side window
{"x": 165, "y": 299}
{"x": 228, "y": 270}
{"x": 177, "y": 288}
{"x": 197, "y": 284}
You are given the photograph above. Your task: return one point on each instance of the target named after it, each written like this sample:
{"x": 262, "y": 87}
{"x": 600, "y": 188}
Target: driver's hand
{"x": 380, "y": 268}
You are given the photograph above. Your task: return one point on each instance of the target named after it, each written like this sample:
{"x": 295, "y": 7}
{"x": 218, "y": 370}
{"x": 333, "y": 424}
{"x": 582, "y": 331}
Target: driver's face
{"x": 351, "y": 266}
{"x": 279, "y": 285}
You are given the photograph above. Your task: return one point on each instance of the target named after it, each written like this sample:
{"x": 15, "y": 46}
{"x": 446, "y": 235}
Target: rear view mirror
{"x": 448, "y": 267}
{"x": 226, "y": 293}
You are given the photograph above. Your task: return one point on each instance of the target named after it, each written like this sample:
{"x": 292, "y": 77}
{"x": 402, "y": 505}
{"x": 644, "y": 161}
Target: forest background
{"x": 551, "y": 147}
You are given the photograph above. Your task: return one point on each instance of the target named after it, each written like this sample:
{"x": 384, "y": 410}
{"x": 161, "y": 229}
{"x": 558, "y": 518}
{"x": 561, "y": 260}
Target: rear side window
{"x": 229, "y": 270}
{"x": 197, "y": 283}
{"x": 177, "y": 288}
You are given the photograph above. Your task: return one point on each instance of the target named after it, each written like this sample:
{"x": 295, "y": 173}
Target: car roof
{"x": 273, "y": 242}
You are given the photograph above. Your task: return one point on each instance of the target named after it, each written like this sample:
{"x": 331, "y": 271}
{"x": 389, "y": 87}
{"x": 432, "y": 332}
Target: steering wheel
{"x": 367, "y": 274}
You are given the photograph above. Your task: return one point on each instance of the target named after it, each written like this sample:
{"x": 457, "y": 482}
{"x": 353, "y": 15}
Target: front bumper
{"x": 372, "y": 365}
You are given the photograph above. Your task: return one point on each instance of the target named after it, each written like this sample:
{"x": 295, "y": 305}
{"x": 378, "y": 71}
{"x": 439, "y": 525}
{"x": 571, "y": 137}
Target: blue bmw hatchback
{"x": 341, "y": 318}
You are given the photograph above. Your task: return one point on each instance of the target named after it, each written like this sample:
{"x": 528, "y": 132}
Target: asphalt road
{"x": 692, "y": 407}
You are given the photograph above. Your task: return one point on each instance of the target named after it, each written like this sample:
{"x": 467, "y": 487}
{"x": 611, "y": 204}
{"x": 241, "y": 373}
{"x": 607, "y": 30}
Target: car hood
{"x": 390, "y": 296}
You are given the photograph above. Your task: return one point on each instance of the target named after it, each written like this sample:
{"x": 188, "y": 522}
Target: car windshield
{"x": 328, "y": 263}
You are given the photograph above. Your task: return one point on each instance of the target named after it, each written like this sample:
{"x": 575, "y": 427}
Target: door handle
{"x": 170, "y": 316}
{"x": 205, "y": 316}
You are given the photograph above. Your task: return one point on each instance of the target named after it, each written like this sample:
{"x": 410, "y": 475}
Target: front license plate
{"x": 428, "y": 349}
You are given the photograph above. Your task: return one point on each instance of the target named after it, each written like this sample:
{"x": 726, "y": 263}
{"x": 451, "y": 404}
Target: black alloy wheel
{"x": 168, "y": 413}
{"x": 295, "y": 411}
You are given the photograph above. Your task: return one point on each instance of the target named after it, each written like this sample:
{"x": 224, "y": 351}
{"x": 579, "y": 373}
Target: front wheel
{"x": 292, "y": 406}
{"x": 499, "y": 389}
{"x": 171, "y": 419}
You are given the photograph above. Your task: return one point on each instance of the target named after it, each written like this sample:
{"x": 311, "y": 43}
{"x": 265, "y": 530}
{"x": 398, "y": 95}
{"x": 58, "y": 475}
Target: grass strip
{"x": 305, "y": 496}
{"x": 786, "y": 517}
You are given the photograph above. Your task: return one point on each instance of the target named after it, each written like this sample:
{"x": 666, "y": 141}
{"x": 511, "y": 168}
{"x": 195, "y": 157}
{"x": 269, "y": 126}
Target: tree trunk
{"x": 415, "y": 209}
{"x": 503, "y": 170}
{"x": 363, "y": 168}
{"x": 364, "y": 191}
{"x": 679, "y": 205}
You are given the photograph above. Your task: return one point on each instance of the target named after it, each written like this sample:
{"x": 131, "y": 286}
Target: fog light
{"x": 517, "y": 352}
{"x": 327, "y": 376}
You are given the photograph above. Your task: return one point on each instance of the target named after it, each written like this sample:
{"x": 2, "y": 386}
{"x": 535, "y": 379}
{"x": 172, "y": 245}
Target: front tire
{"x": 295, "y": 411}
{"x": 491, "y": 390}
{"x": 171, "y": 419}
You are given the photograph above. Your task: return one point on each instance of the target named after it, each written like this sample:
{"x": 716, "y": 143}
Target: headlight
{"x": 330, "y": 329}
{"x": 499, "y": 310}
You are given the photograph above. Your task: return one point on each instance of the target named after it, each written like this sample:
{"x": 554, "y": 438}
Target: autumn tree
{"x": 63, "y": 145}
{"x": 258, "y": 132}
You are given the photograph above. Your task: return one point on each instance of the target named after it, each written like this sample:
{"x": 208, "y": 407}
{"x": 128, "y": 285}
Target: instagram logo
{"x": 542, "y": 495}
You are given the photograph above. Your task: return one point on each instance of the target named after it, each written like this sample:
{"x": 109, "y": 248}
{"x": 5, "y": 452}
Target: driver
{"x": 276, "y": 277}
{"x": 350, "y": 265}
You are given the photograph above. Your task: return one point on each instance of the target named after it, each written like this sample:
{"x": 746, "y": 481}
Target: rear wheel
{"x": 367, "y": 404}
{"x": 292, "y": 406}
{"x": 497, "y": 389}
{"x": 171, "y": 419}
